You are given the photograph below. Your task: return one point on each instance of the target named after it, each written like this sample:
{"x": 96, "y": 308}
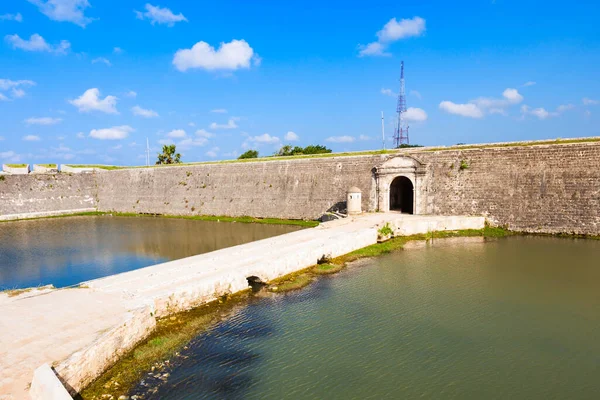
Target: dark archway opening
{"x": 401, "y": 195}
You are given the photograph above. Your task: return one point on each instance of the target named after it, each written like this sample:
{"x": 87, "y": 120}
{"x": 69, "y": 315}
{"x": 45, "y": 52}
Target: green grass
{"x": 514, "y": 144}
{"x": 398, "y": 242}
{"x": 245, "y": 220}
{"x": 294, "y": 281}
{"x": 106, "y": 167}
{"x": 327, "y": 269}
{"x": 16, "y": 165}
{"x": 47, "y": 165}
{"x": 15, "y": 292}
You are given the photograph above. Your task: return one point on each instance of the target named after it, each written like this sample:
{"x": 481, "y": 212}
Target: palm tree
{"x": 169, "y": 155}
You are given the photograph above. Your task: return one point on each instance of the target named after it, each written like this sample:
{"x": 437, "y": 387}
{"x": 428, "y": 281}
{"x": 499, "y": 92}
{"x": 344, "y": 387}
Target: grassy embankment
{"x": 243, "y": 219}
{"x": 360, "y": 153}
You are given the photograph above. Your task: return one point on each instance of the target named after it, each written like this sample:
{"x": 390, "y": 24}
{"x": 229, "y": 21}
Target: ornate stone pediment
{"x": 400, "y": 165}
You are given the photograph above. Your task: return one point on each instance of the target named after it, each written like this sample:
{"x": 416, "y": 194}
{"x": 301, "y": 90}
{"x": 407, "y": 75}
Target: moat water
{"x": 67, "y": 251}
{"x": 514, "y": 318}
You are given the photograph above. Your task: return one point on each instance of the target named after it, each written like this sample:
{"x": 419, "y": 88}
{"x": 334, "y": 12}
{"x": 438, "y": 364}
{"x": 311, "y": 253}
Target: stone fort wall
{"x": 298, "y": 189}
{"x": 537, "y": 188}
{"x": 46, "y": 193}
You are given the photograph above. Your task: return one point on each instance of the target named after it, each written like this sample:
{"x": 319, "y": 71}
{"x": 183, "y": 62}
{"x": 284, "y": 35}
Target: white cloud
{"x": 191, "y": 124}
{"x": 9, "y": 155}
{"x": 395, "y": 30}
{"x": 101, "y": 60}
{"x": 340, "y": 139}
{"x": 117, "y": 147}
{"x": 117, "y": 50}
{"x": 588, "y": 113}
{"x": 291, "y": 137}
{"x": 416, "y": 94}
{"x": 177, "y": 133}
{"x": 499, "y": 111}
{"x": 131, "y": 94}
{"x": 3, "y": 97}
{"x": 590, "y": 102}
{"x": 90, "y": 101}
{"x": 564, "y": 107}
{"x": 192, "y": 142}
{"x": 64, "y": 10}
{"x": 12, "y": 17}
{"x": 372, "y": 49}
{"x": 31, "y": 138}
{"x": 364, "y": 137}
{"x": 18, "y": 93}
{"x": 465, "y": 110}
{"x": 204, "y": 134}
{"x": 530, "y": 83}
{"x": 158, "y": 15}
{"x": 512, "y": 95}
{"x": 80, "y": 135}
{"x": 387, "y": 92}
{"x": 142, "y": 112}
{"x": 219, "y": 111}
{"x": 37, "y": 43}
{"x": 542, "y": 113}
{"x": 415, "y": 114}
{"x": 230, "y": 56}
{"x": 479, "y": 107}
{"x": 264, "y": 138}
{"x": 43, "y": 121}
{"x": 392, "y": 31}
{"x": 114, "y": 133}
{"x": 212, "y": 152}
{"x": 1, "y": 138}
{"x": 229, "y": 125}
{"x": 6, "y": 84}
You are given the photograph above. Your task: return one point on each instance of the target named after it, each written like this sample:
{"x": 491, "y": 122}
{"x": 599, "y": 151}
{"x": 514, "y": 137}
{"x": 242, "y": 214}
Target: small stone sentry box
{"x": 354, "y": 201}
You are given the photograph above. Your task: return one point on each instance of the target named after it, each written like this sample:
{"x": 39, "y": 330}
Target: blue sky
{"x": 87, "y": 81}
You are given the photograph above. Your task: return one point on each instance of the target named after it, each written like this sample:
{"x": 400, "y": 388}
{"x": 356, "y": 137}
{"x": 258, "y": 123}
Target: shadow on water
{"x": 215, "y": 364}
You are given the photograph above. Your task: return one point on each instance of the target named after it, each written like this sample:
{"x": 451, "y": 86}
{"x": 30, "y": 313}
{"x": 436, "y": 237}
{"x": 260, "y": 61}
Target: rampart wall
{"x": 538, "y": 188}
{"x": 297, "y": 189}
{"x": 46, "y": 193}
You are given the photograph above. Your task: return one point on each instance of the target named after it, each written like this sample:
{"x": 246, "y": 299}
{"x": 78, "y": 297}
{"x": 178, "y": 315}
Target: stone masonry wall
{"x": 542, "y": 188}
{"x": 298, "y": 189}
{"x": 22, "y": 194}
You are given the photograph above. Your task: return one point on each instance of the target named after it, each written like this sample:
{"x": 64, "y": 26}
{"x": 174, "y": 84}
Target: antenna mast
{"x": 147, "y": 153}
{"x": 401, "y": 133}
{"x": 382, "y": 131}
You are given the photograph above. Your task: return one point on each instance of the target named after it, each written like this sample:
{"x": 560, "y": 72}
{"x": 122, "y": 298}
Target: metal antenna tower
{"x": 147, "y": 153}
{"x": 401, "y": 132}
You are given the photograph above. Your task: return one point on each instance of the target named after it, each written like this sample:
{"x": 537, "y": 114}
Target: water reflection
{"x": 515, "y": 318}
{"x": 66, "y": 251}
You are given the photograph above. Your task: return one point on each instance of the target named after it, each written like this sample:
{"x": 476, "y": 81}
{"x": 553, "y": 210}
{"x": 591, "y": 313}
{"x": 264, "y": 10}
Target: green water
{"x": 515, "y": 318}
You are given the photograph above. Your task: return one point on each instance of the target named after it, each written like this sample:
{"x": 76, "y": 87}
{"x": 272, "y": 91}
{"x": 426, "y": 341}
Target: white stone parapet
{"x": 15, "y": 170}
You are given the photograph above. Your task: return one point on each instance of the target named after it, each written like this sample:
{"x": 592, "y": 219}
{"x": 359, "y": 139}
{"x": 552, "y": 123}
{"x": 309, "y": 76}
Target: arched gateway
{"x": 399, "y": 184}
{"x": 401, "y": 195}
